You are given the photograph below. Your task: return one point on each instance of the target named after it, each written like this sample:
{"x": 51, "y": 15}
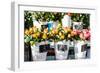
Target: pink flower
{"x": 77, "y": 32}
{"x": 86, "y": 33}
{"x": 81, "y": 35}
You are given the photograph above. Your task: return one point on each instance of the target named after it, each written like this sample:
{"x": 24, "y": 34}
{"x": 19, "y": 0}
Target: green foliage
{"x": 48, "y": 16}
{"x": 85, "y": 18}
{"x": 54, "y": 16}
{"x": 28, "y": 21}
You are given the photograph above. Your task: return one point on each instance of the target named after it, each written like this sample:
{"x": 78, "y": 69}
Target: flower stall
{"x": 57, "y": 36}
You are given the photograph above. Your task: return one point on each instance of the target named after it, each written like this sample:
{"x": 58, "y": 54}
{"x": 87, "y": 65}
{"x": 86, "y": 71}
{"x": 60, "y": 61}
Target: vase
{"x": 40, "y": 56}
{"x": 27, "y": 52}
{"x": 66, "y": 21}
{"x": 50, "y": 25}
{"x": 71, "y": 53}
{"x": 61, "y": 50}
{"x": 77, "y": 25}
{"x": 55, "y": 24}
{"x": 80, "y": 50}
{"x": 37, "y": 55}
{"x": 35, "y": 48}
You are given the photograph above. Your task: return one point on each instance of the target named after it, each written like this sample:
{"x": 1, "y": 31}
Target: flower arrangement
{"x": 33, "y": 34}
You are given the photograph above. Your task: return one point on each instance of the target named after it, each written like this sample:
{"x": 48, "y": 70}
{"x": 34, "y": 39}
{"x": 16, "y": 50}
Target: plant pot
{"x": 80, "y": 50}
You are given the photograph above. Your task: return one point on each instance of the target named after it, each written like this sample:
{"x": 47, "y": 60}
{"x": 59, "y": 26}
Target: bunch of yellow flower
{"x": 44, "y": 34}
{"x": 32, "y": 31}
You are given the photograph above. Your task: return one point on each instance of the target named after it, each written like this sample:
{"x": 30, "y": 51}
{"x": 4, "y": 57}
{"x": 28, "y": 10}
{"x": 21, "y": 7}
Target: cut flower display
{"x": 56, "y": 34}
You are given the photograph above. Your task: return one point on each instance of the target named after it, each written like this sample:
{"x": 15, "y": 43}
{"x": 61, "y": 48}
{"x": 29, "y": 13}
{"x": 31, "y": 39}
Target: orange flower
{"x": 69, "y": 29}
{"x": 65, "y": 29}
{"x": 34, "y": 35}
{"x": 54, "y": 31}
{"x": 45, "y": 30}
{"x": 72, "y": 33}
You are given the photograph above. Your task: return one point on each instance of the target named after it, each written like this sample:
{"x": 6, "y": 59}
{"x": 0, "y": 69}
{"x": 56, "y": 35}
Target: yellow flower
{"x": 69, "y": 35}
{"x": 65, "y": 29}
{"x": 59, "y": 25}
{"x": 45, "y": 30}
{"x": 44, "y": 36}
{"x": 62, "y": 36}
{"x": 26, "y": 32}
{"x": 53, "y": 31}
{"x": 30, "y": 30}
{"x": 37, "y": 34}
{"x": 34, "y": 35}
{"x": 69, "y": 29}
{"x": 60, "y": 33}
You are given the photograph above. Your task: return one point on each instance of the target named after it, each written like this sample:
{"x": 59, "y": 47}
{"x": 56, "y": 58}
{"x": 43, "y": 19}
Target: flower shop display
{"x": 68, "y": 32}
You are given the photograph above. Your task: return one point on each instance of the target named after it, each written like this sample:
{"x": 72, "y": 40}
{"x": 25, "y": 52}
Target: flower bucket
{"x": 34, "y": 49}
{"x": 80, "y": 50}
{"x": 38, "y": 56}
{"x": 66, "y": 21}
{"x": 77, "y": 25}
{"x": 50, "y": 25}
{"x": 52, "y": 44}
{"x": 71, "y": 53}
{"x": 55, "y": 24}
{"x": 61, "y": 50}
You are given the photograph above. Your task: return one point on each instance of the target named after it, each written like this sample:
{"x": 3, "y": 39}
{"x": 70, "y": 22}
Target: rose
{"x": 86, "y": 33}
{"x": 75, "y": 32}
{"x": 82, "y": 36}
